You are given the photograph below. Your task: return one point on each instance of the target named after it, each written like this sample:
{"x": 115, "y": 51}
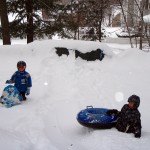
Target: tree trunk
{"x": 29, "y": 30}
{"x": 4, "y": 23}
{"x": 100, "y": 21}
{"x": 100, "y": 32}
{"x": 141, "y": 22}
{"x": 125, "y": 20}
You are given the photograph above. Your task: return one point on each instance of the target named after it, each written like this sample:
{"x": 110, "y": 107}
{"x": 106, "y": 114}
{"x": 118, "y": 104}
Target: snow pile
{"x": 111, "y": 32}
{"x": 146, "y": 19}
{"x": 62, "y": 86}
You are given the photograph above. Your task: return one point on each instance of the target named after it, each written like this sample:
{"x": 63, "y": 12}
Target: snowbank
{"x": 62, "y": 86}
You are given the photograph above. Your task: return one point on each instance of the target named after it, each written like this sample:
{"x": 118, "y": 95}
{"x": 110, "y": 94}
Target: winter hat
{"x": 135, "y": 99}
{"x": 21, "y": 63}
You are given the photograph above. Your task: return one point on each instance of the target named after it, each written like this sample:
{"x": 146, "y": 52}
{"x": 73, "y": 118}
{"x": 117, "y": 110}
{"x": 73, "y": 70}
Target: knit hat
{"x": 135, "y": 99}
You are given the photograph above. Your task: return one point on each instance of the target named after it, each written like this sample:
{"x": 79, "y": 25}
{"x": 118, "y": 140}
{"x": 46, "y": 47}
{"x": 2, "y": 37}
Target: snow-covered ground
{"x": 62, "y": 86}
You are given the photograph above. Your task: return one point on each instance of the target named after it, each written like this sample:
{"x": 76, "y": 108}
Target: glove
{"x": 28, "y": 91}
{"x": 9, "y": 82}
{"x": 137, "y": 135}
{"x": 112, "y": 112}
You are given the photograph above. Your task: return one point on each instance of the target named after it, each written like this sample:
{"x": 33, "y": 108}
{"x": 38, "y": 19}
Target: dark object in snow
{"x": 90, "y": 56}
{"x": 96, "y": 118}
{"x": 61, "y": 50}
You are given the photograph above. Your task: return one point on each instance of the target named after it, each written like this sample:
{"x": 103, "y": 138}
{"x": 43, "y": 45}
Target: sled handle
{"x": 89, "y": 107}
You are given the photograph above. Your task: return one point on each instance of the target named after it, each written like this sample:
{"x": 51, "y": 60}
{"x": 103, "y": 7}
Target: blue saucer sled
{"x": 96, "y": 118}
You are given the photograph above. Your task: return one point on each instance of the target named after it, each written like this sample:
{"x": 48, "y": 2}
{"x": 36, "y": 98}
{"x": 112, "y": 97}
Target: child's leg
{"x": 23, "y": 96}
{"x": 0, "y": 99}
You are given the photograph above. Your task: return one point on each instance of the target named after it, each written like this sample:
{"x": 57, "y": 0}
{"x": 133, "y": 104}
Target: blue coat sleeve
{"x": 13, "y": 78}
{"x": 29, "y": 80}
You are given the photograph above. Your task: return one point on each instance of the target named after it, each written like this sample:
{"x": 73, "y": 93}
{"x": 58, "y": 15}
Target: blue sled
{"x": 10, "y": 96}
{"x": 96, "y": 118}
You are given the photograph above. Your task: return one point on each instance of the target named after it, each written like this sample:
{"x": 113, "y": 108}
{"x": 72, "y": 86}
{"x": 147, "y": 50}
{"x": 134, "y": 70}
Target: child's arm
{"x": 29, "y": 84}
{"x": 12, "y": 80}
{"x": 112, "y": 112}
{"x": 9, "y": 82}
{"x": 28, "y": 91}
{"x": 29, "y": 81}
{"x": 137, "y": 126}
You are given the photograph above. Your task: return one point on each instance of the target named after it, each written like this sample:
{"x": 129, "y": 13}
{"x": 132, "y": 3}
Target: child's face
{"x": 21, "y": 68}
{"x": 131, "y": 105}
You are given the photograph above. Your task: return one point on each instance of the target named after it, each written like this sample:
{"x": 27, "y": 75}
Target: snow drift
{"x": 62, "y": 86}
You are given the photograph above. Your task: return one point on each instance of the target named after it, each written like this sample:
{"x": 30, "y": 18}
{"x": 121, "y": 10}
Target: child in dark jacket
{"x": 21, "y": 79}
{"x": 129, "y": 117}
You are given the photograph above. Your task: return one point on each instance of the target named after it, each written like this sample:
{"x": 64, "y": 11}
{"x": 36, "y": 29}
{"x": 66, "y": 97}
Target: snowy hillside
{"x": 62, "y": 86}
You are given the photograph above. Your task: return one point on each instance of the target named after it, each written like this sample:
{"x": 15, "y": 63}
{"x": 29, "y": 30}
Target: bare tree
{"x": 146, "y": 25}
{"x": 4, "y": 23}
{"x": 143, "y": 6}
{"x": 133, "y": 17}
{"x": 125, "y": 20}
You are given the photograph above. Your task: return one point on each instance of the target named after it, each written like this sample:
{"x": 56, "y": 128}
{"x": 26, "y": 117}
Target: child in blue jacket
{"x": 21, "y": 79}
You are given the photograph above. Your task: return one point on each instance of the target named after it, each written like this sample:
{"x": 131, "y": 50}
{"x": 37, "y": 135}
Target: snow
{"x": 146, "y": 18}
{"x": 62, "y": 86}
{"x": 111, "y": 31}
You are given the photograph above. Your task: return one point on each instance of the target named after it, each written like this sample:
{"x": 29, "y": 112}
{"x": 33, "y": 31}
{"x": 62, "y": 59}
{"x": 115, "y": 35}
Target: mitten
{"x": 9, "y": 82}
{"x": 112, "y": 112}
{"x": 28, "y": 91}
